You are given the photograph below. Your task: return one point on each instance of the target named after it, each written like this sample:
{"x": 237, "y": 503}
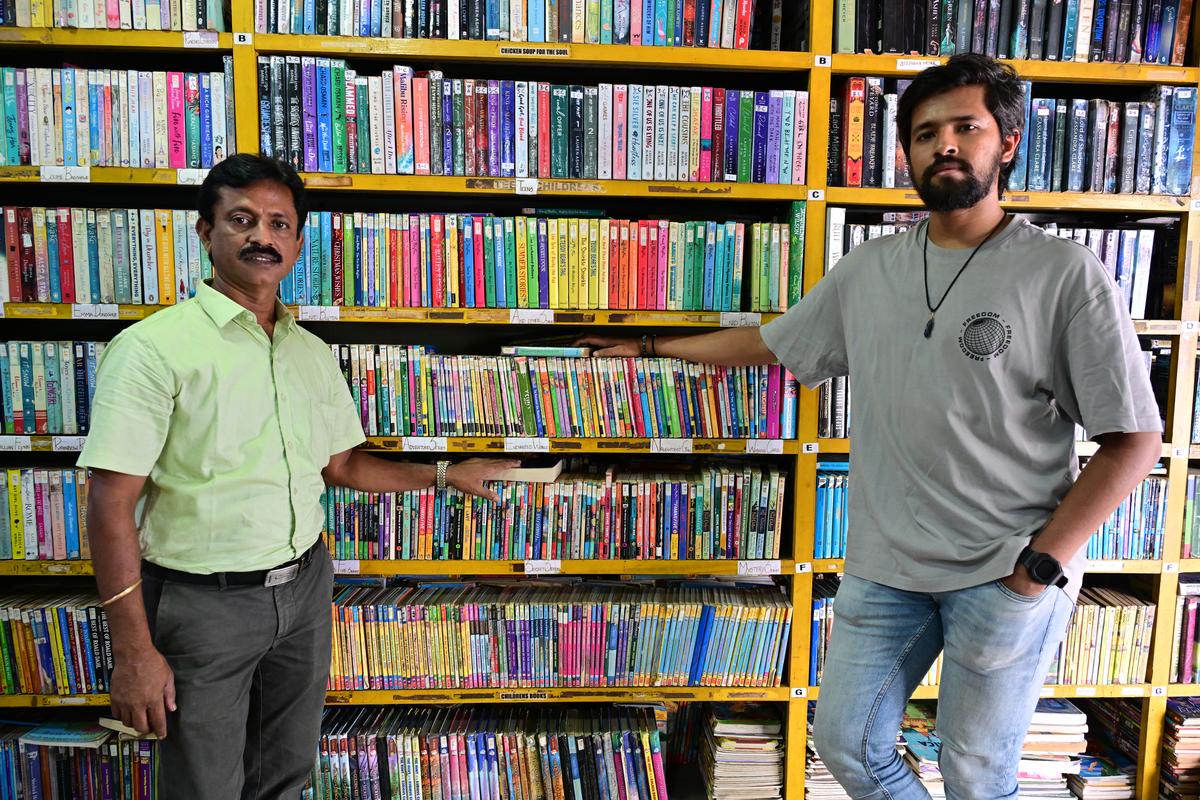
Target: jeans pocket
{"x": 1017, "y": 596}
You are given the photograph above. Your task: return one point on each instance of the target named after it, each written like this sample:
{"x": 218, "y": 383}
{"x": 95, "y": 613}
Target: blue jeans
{"x": 998, "y": 646}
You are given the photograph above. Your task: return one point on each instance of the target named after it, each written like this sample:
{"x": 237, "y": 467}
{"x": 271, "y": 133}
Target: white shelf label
{"x": 190, "y": 177}
{"x": 526, "y": 444}
{"x": 201, "y": 39}
{"x": 764, "y": 447}
{"x": 915, "y": 64}
{"x": 531, "y": 316}
{"x": 740, "y": 319}
{"x": 350, "y": 567}
{"x": 810, "y": 447}
{"x": 243, "y": 38}
{"x": 803, "y": 567}
{"x": 800, "y": 691}
{"x": 94, "y": 311}
{"x": 320, "y": 313}
{"x": 816, "y": 194}
{"x": 1085, "y": 691}
{"x": 670, "y": 445}
{"x": 69, "y": 701}
{"x": 423, "y": 444}
{"x": 541, "y": 566}
{"x": 65, "y": 174}
{"x": 1047, "y": 691}
{"x": 822, "y": 61}
{"x": 763, "y": 567}
{"x": 1179, "y": 452}
{"x": 1196, "y": 205}
{"x": 526, "y": 185}
{"x": 1190, "y": 326}
{"x": 67, "y": 444}
{"x": 14, "y": 444}
{"x": 1170, "y": 566}
{"x": 1102, "y": 565}
{"x": 1133, "y": 691}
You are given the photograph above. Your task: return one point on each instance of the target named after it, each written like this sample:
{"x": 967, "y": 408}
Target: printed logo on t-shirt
{"x": 984, "y": 335}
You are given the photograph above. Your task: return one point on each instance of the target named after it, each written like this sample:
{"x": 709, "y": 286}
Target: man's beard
{"x": 958, "y": 193}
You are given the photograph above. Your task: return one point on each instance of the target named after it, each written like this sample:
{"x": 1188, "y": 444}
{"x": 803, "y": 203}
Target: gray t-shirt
{"x": 963, "y": 444}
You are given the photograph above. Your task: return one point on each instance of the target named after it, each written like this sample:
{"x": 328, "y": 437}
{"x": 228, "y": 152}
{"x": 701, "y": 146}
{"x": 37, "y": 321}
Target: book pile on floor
{"x": 1104, "y": 774}
{"x": 1056, "y": 738}
{"x": 922, "y": 747}
{"x": 1180, "y": 762}
{"x": 742, "y": 755}
{"x": 819, "y": 783}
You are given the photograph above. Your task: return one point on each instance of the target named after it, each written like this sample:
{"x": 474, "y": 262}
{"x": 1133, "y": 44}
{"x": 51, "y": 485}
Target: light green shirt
{"x": 233, "y": 430}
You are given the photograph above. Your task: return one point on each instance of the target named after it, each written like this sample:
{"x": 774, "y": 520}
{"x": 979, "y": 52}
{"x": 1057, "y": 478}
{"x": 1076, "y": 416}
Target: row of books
{"x": 829, "y": 540}
{"x": 739, "y": 24}
{"x": 100, "y": 255}
{"x": 411, "y": 391}
{"x": 833, "y": 408}
{"x": 321, "y": 116}
{"x": 54, "y": 645}
{"x": 78, "y": 117}
{"x": 480, "y": 751}
{"x": 152, "y": 15}
{"x": 1191, "y": 520}
{"x": 565, "y": 633}
{"x": 1185, "y": 666}
{"x": 1108, "y": 640}
{"x": 78, "y": 760}
{"x": 1074, "y": 145}
{"x": 1123, "y": 31}
{"x": 727, "y": 511}
{"x": 484, "y": 261}
{"x": 45, "y": 512}
{"x": 1135, "y": 529}
{"x": 47, "y": 387}
{"x": 1180, "y": 762}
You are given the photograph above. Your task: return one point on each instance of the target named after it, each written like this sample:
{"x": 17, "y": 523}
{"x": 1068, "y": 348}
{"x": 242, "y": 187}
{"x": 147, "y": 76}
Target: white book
{"x": 1141, "y": 275}
{"x": 188, "y": 15}
{"x": 683, "y": 173}
{"x": 66, "y": 383}
{"x": 375, "y": 109}
{"x": 83, "y": 155}
{"x": 24, "y": 14}
{"x": 133, "y": 246}
{"x": 386, "y": 18}
{"x": 220, "y": 145}
{"x": 133, "y": 116}
{"x": 154, "y": 16}
{"x": 578, "y": 20}
{"x": 29, "y": 507}
{"x": 138, "y": 14}
{"x": 671, "y": 145}
{"x": 835, "y": 233}
{"x": 889, "y": 141}
{"x": 159, "y": 94}
{"x": 147, "y": 230}
{"x": 402, "y": 93}
{"x": 649, "y": 101}
{"x": 453, "y": 21}
{"x": 633, "y": 141}
{"x": 183, "y": 289}
{"x": 697, "y": 100}
{"x": 800, "y": 140}
{"x": 44, "y": 109}
{"x": 260, "y": 16}
{"x": 661, "y": 126}
{"x": 516, "y": 20}
{"x": 145, "y": 105}
{"x": 176, "y": 14}
{"x": 87, "y": 14}
{"x": 1083, "y": 32}
{"x": 120, "y": 111}
{"x": 532, "y": 145}
{"x": 125, "y": 10}
{"x": 193, "y": 251}
{"x": 521, "y": 128}
{"x": 388, "y": 123}
{"x": 83, "y": 272}
{"x": 104, "y": 246}
{"x": 604, "y": 154}
{"x": 346, "y": 19}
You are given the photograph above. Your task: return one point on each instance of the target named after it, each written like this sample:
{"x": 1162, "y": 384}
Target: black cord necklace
{"x": 925, "y": 258}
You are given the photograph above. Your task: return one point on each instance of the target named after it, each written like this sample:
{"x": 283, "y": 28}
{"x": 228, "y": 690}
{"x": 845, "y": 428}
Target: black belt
{"x": 284, "y": 573}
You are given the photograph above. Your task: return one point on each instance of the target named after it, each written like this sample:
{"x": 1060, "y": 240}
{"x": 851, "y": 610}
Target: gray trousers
{"x": 250, "y": 667}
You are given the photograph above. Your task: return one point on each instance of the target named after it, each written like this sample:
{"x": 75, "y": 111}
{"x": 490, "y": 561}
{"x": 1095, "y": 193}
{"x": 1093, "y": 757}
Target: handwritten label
{"x": 531, "y": 316}
{"x": 740, "y": 319}
{"x": 320, "y": 313}
{"x": 1085, "y": 691}
{"x": 1105, "y": 566}
{"x": 556, "y": 52}
{"x": 1133, "y": 691}
{"x": 201, "y": 39}
{"x": 190, "y": 177}
{"x": 14, "y": 444}
{"x": 350, "y": 567}
{"x": 526, "y": 185}
{"x": 67, "y": 444}
{"x": 423, "y": 444}
{"x": 526, "y": 444}
{"x": 803, "y": 567}
{"x": 542, "y": 566}
{"x": 810, "y": 447}
{"x": 764, "y": 447}
{"x": 1047, "y": 691}
{"x": 670, "y": 445}
{"x": 94, "y": 311}
{"x": 66, "y": 174}
{"x": 915, "y": 64}
{"x": 761, "y": 567}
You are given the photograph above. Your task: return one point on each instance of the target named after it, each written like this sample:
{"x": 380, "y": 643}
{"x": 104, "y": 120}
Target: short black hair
{"x": 1004, "y": 96}
{"x": 243, "y": 169}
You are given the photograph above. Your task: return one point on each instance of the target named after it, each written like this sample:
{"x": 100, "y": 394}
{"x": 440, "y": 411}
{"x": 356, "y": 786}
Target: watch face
{"x": 1044, "y": 571}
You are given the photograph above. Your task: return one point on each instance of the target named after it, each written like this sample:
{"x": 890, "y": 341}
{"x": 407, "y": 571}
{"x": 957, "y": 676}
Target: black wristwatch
{"x": 1043, "y": 568}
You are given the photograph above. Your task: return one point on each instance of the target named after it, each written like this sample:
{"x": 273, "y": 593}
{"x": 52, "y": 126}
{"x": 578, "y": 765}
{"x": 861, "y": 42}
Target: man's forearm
{"x": 733, "y": 347}
{"x": 1120, "y": 464}
{"x": 117, "y": 560}
{"x": 368, "y": 473}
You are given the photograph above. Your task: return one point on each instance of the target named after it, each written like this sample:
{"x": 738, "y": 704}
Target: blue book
{"x": 1040, "y": 154}
{"x": 364, "y": 18}
{"x": 606, "y": 21}
{"x": 324, "y": 117}
{"x": 53, "y": 386}
{"x": 719, "y": 280}
{"x": 93, "y": 245}
{"x": 659, "y": 21}
{"x": 498, "y": 263}
{"x": 376, "y": 18}
{"x": 1153, "y": 31}
{"x": 492, "y": 20}
{"x": 52, "y": 265}
{"x": 1183, "y": 121}
{"x": 70, "y": 514}
{"x": 467, "y": 246}
{"x": 537, "y": 22}
{"x": 206, "y": 122}
{"x": 1166, "y": 31}
{"x": 819, "y": 547}
{"x": 1070, "y": 23}
{"x": 1016, "y": 181}
{"x": 507, "y": 129}
{"x": 70, "y": 156}
{"x": 710, "y": 244}
{"x": 93, "y": 121}
{"x": 309, "y": 21}
{"x": 1096, "y": 44}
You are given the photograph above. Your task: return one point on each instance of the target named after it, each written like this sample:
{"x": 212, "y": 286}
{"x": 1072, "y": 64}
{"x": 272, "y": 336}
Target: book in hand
{"x": 124, "y": 730}
{"x": 531, "y": 473}
{"x": 67, "y": 734}
{"x": 545, "y": 351}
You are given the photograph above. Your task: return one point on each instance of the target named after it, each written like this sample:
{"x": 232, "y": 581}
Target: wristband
{"x": 124, "y": 592}
{"x": 440, "y": 480}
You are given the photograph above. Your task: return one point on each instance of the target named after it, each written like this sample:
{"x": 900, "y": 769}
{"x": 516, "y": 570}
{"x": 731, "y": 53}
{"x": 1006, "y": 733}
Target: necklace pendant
{"x": 929, "y": 327}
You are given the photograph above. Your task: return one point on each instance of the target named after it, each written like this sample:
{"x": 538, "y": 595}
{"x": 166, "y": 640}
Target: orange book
{"x": 852, "y": 137}
{"x": 420, "y": 102}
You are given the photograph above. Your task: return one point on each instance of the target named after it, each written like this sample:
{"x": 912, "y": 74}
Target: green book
{"x": 510, "y": 263}
{"x": 756, "y": 266}
{"x": 122, "y": 281}
{"x": 592, "y": 22}
{"x": 558, "y": 131}
{"x": 737, "y": 262}
{"x": 745, "y": 136}
{"x": 528, "y": 423}
{"x": 337, "y": 76}
{"x": 843, "y": 26}
{"x": 764, "y": 269}
{"x": 362, "y": 124}
{"x": 796, "y": 254}
{"x": 670, "y": 30}
{"x": 531, "y": 262}
{"x": 327, "y": 264}
{"x": 698, "y": 268}
{"x": 192, "y": 118}
{"x": 458, "y": 113}
{"x": 349, "y": 284}
{"x": 489, "y": 265}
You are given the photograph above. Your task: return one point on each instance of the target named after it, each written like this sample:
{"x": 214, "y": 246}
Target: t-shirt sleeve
{"x": 345, "y": 427}
{"x": 131, "y": 410}
{"x": 810, "y": 339}
{"x": 1100, "y": 375}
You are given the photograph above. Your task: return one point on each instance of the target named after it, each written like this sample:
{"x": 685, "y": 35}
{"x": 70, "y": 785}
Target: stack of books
{"x": 66, "y": 759}
{"x": 1108, "y": 640}
{"x": 323, "y": 117}
{"x": 1105, "y": 773}
{"x": 819, "y": 783}
{"x": 1181, "y": 750}
{"x": 1051, "y": 752}
{"x": 922, "y": 747}
{"x": 742, "y": 754}
{"x": 488, "y": 751}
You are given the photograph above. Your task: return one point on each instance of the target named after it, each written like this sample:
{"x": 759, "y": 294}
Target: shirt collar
{"x": 222, "y": 309}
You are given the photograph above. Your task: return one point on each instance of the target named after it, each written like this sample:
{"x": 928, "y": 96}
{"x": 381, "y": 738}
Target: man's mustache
{"x": 963, "y": 166}
{"x": 254, "y": 249}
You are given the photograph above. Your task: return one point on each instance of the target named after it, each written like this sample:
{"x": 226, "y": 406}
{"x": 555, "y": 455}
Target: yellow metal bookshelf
{"x": 818, "y": 70}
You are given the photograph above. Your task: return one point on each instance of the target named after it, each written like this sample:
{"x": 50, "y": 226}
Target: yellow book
{"x": 606, "y": 233}
{"x": 16, "y": 522}
{"x": 646, "y": 753}
{"x": 674, "y": 266}
{"x": 522, "y": 243}
{"x": 564, "y": 265}
{"x": 57, "y": 654}
{"x": 552, "y": 262}
{"x": 593, "y": 263}
{"x": 573, "y": 242}
{"x": 166, "y": 256}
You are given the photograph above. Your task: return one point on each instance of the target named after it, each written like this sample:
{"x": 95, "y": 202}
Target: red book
{"x": 653, "y": 268}
{"x": 543, "y": 131}
{"x": 644, "y": 297}
{"x": 437, "y": 257}
{"x": 717, "y": 172}
{"x": 468, "y": 126}
{"x": 852, "y": 135}
{"x": 741, "y": 25}
{"x": 689, "y": 22}
{"x": 394, "y": 265}
{"x": 66, "y": 256}
{"x": 477, "y": 257}
{"x": 12, "y": 246}
{"x": 481, "y": 128}
{"x": 27, "y": 256}
{"x": 336, "y": 260}
{"x": 614, "y": 262}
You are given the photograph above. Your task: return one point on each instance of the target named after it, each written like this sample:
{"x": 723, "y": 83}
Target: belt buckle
{"x": 281, "y": 575}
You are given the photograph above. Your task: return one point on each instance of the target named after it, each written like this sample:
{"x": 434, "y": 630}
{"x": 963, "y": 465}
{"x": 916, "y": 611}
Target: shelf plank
{"x": 46, "y": 568}
{"x": 1069, "y": 692}
{"x": 1023, "y": 201}
{"x": 607, "y": 55}
{"x": 1081, "y": 448}
{"x": 117, "y": 40}
{"x": 1058, "y": 71}
{"x": 495, "y": 445}
{"x": 1127, "y": 566}
{"x": 591, "y": 566}
{"x": 138, "y": 176}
